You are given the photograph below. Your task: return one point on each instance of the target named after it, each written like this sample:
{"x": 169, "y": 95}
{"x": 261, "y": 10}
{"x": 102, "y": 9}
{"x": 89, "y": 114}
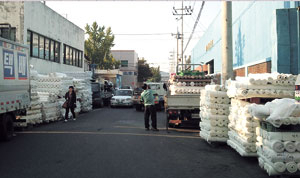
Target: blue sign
{"x": 22, "y": 66}
{"x": 8, "y": 65}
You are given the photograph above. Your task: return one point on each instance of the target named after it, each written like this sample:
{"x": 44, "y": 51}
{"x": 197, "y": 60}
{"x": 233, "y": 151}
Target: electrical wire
{"x": 195, "y": 25}
{"x": 146, "y": 34}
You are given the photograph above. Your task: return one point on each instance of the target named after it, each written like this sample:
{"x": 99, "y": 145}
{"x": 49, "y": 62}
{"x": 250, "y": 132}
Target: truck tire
{"x": 6, "y": 127}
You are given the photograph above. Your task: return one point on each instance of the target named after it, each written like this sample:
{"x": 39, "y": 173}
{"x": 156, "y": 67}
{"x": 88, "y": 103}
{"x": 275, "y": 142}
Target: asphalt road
{"x": 112, "y": 143}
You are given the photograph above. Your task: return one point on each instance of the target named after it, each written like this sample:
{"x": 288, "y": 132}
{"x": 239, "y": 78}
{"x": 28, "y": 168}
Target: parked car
{"x": 126, "y": 87}
{"x": 122, "y": 97}
{"x": 98, "y": 94}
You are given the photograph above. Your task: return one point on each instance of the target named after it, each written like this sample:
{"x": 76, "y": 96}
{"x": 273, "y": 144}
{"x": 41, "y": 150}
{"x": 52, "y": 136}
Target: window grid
{"x": 43, "y": 47}
{"x": 72, "y": 56}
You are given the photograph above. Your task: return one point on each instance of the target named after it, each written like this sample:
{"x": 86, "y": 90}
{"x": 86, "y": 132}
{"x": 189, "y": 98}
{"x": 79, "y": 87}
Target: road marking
{"x": 107, "y": 133}
{"x": 179, "y": 130}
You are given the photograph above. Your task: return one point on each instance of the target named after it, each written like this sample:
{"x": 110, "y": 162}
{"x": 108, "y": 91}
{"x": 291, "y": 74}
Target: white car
{"x": 123, "y": 97}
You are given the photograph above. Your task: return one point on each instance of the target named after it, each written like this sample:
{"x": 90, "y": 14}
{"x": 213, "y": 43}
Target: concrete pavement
{"x": 112, "y": 143}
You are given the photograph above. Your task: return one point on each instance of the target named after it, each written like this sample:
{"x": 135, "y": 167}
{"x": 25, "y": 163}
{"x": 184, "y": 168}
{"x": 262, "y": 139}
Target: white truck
{"x": 158, "y": 88}
{"x": 182, "y": 107}
{"x": 14, "y": 85}
{"x": 182, "y": 110}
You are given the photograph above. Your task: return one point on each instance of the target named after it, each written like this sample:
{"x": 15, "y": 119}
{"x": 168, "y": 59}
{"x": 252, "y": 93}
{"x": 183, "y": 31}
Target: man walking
{"x": 148, "y": 98}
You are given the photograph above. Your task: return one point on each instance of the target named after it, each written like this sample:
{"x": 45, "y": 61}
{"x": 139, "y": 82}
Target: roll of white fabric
{"x": 281, "y": 157}
{"x": 261, "y": 162}
{"x": 276, "y": 145}
{"x": 213, "y": 87}
{"x": 298, "y": 166}
{"x": 280, "y": 167}
{"x": 275, "y": 157}
{"x": 284, "y": 136}
{"x": 289, "y": 146}
{"x": 291, "y": 167}
{"x": 270, "y": 170}
{"x": 297, "y": 144}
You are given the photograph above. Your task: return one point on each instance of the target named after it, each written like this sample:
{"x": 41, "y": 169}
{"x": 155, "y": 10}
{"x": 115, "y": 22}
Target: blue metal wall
{"x": 254, "y": 35}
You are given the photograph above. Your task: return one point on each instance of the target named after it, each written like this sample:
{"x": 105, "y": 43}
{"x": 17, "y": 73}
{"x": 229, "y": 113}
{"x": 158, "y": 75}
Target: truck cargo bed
{"x": 184, "y": 101}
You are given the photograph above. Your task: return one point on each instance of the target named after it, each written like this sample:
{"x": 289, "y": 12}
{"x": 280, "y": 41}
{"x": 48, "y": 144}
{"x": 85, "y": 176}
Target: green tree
{"x": 97, "y": 48}
{"x": 144, "y": 70}
{"x": 156, "y": 77}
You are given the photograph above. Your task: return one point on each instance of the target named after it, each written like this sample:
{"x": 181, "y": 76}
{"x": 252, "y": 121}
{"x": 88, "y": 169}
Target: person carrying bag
{"x": 70, "y": 103}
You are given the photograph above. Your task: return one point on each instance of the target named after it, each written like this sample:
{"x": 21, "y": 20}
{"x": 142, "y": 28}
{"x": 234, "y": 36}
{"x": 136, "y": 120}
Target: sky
{"x": 145, "y": 27}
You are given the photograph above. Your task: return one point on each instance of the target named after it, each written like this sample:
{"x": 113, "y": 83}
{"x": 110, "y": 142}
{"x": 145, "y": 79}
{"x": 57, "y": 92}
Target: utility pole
{"x": 184, "y": 11}
{"x": 227, "y": 70}
{"x": 182, "y": 35}
{"x": 177, "y": 36}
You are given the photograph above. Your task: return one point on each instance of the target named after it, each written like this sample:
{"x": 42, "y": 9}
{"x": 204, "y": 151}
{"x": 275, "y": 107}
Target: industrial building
{"x": 129, "y": 66}
{"x": 265, "y": 39}
{"x": 56, "y": 44}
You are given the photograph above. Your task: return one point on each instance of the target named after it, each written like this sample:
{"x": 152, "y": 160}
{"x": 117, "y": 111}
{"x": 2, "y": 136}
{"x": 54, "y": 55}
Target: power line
{"x": 145, "y": 34}
{"x": 196, "y": 22}
{"x": 184, "y": 11}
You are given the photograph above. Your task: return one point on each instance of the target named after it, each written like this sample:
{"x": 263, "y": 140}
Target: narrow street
{"x": 113, "y": 143}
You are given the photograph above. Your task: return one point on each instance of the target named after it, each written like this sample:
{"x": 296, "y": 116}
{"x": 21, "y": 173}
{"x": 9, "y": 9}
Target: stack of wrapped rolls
{"x": 214, "y": 110}
{"x": 278, "y": 140}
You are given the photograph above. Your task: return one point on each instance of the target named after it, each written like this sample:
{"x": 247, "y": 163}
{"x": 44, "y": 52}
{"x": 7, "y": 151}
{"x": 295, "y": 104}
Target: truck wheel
{"x": 6, "y": 127}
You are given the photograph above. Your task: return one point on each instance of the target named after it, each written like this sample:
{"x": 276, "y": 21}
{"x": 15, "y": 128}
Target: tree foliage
{"x": 147, "y": 73}
{"x": 97, "y": 48}
{"x": 156, "y": 77}
{"x": 144, "y": 71}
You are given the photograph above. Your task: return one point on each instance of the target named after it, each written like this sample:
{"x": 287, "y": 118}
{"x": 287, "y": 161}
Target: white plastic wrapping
{"x": 214, "y": 110}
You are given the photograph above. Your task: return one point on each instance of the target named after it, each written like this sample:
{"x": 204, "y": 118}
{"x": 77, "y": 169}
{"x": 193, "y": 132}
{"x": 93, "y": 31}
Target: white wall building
{"x": 56, "y": 44}
{"x": 129, "y": 66}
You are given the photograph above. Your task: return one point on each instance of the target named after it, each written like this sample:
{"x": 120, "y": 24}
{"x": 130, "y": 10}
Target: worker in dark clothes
{"x": 147, "y": 98}
{"x": 70, "y": 97}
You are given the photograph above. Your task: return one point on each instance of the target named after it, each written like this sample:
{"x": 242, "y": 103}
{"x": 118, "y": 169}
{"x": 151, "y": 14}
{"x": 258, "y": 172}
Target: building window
{"x": 81, "y": 59}
{"x": 129, "y": 73}
{"x": 35, "y": 45}
{"x": 124, "y": 63}
{"x": 43, "y": 47}
{"x": 4, "y": 33}
{"x": 76, "y": 58}
{"x": 73, "y": 56}
{"x": 67, "y": 55}
{"x": 57, "y": 52}
{"x": 125, "y": 73}
{"x": 47, "y": 45}
{"x": 51, "y": 50}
